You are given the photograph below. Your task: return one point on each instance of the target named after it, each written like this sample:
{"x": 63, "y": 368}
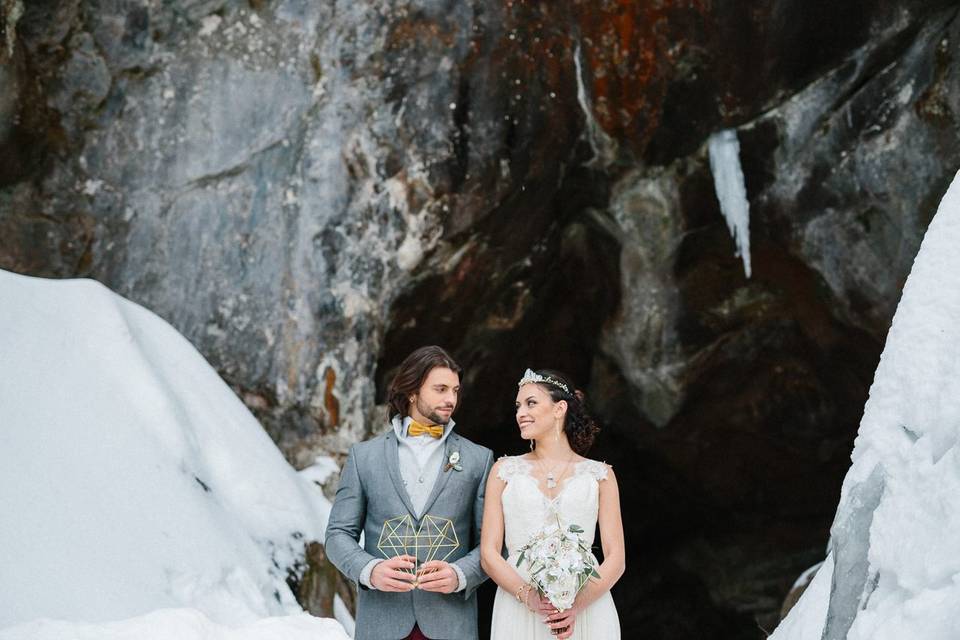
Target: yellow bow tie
{"x": 417, "y": 429}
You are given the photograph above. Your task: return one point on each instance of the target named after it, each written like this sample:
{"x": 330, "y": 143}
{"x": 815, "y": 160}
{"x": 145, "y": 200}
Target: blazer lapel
{"x": 451, "y": 444}
{"x": 392, "y": 455}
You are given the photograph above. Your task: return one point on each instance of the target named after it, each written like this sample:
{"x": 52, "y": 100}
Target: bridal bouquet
{"x": 559, "y": 562}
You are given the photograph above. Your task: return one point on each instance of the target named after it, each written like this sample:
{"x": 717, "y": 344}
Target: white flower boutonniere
{"x": 453, "y": 462}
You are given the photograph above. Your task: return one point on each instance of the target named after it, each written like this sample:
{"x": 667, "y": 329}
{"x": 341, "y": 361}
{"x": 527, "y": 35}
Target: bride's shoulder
{"x": 599, "y": 470}
{"x": 509, "y": 466}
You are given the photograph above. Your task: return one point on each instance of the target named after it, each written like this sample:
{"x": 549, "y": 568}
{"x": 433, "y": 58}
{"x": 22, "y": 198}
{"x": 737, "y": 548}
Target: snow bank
{"x": 131, "y": 477}
{"x": 180, "y": 624}
{"x": 808, "y": 615}
{"x": 896, "y": 536}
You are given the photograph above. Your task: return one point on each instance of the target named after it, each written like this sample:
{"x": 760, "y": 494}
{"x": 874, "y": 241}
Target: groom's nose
{"x": 450, "y": 398}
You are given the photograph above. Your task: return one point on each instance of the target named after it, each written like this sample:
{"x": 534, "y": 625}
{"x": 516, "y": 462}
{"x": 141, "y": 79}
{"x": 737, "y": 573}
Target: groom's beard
{"x": 431, "y": 412}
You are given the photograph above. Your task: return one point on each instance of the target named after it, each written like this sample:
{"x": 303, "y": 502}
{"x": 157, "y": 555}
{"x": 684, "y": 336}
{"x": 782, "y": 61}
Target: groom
{"x": 417, "y": 468}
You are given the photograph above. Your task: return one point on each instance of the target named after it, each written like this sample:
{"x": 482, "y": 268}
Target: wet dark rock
{"x": 798, "y": 589}
{"x": 310, "y": 190}
{"x": 319, "y": 583}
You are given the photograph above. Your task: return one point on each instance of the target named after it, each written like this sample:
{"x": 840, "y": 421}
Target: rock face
{"x": 309, "y": 190}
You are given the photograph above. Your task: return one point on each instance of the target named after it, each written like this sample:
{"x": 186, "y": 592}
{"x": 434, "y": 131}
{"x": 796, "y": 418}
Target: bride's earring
{"x": 557, "y": 423}
{"x": 531, "y": 444}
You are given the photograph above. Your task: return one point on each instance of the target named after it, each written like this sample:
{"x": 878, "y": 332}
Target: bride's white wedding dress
{"x": 525, "y": 510}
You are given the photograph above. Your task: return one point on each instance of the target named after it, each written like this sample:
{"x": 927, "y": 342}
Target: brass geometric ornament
{"x": 436, "y": 539}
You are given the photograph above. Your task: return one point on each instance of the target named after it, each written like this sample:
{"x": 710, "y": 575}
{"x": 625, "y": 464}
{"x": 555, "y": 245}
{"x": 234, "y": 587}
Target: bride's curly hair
{"x": 580, "y": 428}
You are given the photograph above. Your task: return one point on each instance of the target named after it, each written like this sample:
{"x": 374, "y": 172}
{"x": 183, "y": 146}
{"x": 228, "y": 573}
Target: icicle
{"x": 731, "y": 190}
{"x": 604, "y": 148}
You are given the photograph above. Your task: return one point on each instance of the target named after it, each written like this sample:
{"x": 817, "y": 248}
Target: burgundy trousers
{"x": 416, "y": 634}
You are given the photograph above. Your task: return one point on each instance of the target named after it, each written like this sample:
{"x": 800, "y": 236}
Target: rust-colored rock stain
{"x": 631, "y": 49}
{"x": 330, "y": 401}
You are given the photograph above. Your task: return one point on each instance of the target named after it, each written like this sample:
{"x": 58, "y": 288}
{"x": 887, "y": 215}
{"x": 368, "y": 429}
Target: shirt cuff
{"x": 461, "y": 579}
{"x": 366, "y": 571}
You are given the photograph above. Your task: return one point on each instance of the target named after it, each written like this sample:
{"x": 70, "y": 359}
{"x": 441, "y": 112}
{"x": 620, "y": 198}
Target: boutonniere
{"x": 453, "y": 462}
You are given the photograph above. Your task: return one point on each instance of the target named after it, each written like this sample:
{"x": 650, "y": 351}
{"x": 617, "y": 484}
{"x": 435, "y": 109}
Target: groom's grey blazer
{"x": 371, "y": 491}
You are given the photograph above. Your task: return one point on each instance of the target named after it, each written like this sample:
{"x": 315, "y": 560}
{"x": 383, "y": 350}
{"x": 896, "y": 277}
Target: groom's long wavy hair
{"x": 410, "y": 376}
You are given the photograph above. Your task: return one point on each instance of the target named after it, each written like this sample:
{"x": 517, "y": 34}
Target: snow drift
{"x": 131, "y": 477}
{"x": 893, "y": 571}
{"x": 180, "y": 624}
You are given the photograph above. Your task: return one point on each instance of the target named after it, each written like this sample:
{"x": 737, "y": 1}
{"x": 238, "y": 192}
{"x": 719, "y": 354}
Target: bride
{"x": 525, "y": 492}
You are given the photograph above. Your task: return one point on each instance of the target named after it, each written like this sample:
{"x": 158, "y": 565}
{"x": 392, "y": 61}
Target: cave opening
{"x": 731, "y": 499}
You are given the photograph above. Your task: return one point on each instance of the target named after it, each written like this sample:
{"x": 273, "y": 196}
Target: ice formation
{"x": 894, "y": 566}
{"x": 603, "y": 146}
{"x": 728, "y": 181}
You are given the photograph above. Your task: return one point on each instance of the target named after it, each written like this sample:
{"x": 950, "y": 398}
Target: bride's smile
{"x": 537, "y": 413}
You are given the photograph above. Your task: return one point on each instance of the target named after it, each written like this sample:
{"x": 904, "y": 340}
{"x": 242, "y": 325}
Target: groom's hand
{"x": 394, "y": 574}
{"x": 438, "y": 576}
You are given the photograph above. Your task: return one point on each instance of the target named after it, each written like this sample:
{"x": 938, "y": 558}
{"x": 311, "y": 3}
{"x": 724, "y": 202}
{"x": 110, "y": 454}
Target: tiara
{"x": 532, "y": 376}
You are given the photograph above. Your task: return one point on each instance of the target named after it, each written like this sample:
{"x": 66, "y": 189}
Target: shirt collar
{"x": 400, "y": 426}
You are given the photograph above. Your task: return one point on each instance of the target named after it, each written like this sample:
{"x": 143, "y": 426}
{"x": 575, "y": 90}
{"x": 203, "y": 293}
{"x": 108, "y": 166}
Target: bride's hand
{"x": 540, "y": 604}
{"x": 562, "y": 620}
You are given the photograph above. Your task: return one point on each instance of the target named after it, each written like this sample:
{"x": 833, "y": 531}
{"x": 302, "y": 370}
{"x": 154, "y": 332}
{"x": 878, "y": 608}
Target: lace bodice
{"x": 526, "y": 508}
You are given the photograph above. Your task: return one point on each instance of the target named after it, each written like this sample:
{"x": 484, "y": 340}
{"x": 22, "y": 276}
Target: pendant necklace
{"x": 551, "y": 479}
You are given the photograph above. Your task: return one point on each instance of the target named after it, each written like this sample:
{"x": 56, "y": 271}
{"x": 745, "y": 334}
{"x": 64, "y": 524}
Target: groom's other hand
{"x": 394, "y": 574}
{"x": 438, "y": 576}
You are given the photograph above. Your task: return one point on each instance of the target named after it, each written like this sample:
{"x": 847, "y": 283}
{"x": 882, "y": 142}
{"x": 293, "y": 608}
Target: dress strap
{"x": 593, "y": 468}
{"x": 511, "y": 466}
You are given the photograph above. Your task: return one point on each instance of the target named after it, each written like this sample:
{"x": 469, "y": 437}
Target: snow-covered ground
{"x": 893, "y": 572}
{"x": 180, "y": 624}
{"x": 132, "y": 480}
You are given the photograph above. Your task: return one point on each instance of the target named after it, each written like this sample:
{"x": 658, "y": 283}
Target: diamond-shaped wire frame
{"x": 439, "y": 537}
{"x": 436, "y": 539}
{"x": 397, "y": 537}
